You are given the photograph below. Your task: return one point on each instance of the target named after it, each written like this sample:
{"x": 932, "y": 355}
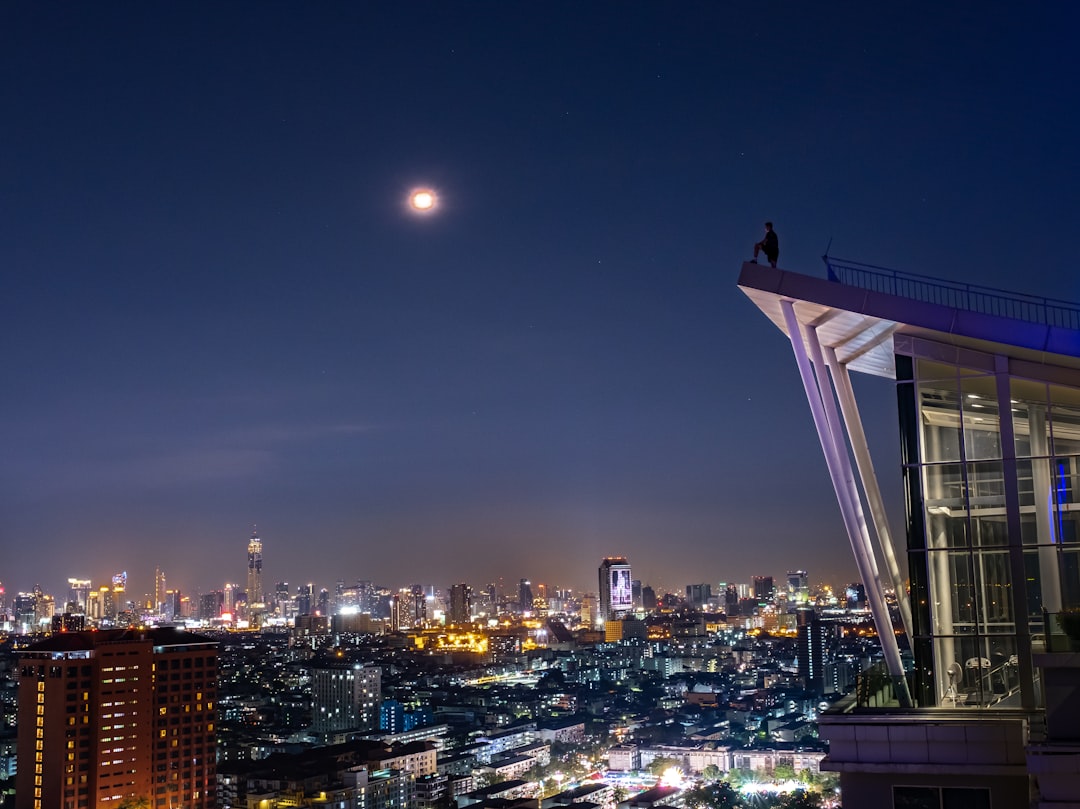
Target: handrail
{"x": 971, "y": 297}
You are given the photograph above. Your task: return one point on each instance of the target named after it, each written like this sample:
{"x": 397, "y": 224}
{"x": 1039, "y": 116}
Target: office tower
{"x": 282, "y": 600}
{"x": 648, "y": 598}
{"x": 254, "y": 571}
{"x": 322, "y": 606}
{"x": 160, "y": 589}
{"x": 228, "y": 600}
{"x": 698, "y": 595}
{"x": 116, "y": 714}
{"x": 419, "y": 605}
{"x": 798, "y": 587}
{"x": 635, "y": 592}
{"x": 811, "y": 650}
{"x": 763, "y": 587}
{"x": 616, "y": 593}
{"x": 987, "y": 386}
{"x": 78, "y": 595}
{"x": 460, "y": 604}
{"x": 590, "y": 610}
{"x": 345, "y": 696}
{"x": 119, "y": 593}
{"x": 366, "y": 597}
{"x": 170, "y": 608}
{"x": 303, "y": 599}
{"x": 210, "y": 605}
{"x": 525, "y": 595}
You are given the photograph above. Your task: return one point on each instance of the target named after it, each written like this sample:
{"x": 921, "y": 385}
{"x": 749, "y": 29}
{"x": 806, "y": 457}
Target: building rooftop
{"x": 860, "y": 310}
{"x": 90, "y": 639}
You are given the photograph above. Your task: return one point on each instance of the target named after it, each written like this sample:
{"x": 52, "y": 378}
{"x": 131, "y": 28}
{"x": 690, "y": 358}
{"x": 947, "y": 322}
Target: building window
{"x": 940, "y": 798}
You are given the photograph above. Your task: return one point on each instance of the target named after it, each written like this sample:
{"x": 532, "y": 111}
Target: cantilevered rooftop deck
{"x": 859, "y": 309}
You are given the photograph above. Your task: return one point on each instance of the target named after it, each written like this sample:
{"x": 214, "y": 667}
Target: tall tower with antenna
{"x": 254, "y": 575}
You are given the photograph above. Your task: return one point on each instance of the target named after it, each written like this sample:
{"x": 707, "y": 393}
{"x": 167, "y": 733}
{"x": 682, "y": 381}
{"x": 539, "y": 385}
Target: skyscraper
{"x": 616, "y": 588}
{"x": 78, "y": 595}
{"x": 117, "y": 714}
{"x": 811, "y": 650}
{"x": 798, "y": 587}
{"x": 525, "y": 595}
{"x": 254, "y": 573}
{"x": 460, "y": 604}
{"x": 160, "y": 589}
{"x": 763, "y": 587}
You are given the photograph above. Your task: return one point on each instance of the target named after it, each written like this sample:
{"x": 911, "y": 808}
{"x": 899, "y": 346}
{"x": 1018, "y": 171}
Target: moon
{"x": 423, "y": 200}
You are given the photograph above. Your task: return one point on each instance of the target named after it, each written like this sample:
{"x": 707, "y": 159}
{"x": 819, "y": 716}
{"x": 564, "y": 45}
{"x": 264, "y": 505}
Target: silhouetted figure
{"x": 770, "y": 245}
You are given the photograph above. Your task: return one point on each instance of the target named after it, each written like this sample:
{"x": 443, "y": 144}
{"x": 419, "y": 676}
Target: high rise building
{"x": 525, "y": 595}
{"x": 460, "y": 604}
{"x": 345, "y": 697}
{"x": 616, "y": 590}
{"x": 698, "y": 595}
{"x": 119, "y": 594}
{"x": 304, "y": 595}
{"x": 78, "y": 595}
{"x": 170, "y": 608}
{"x": 987, "y": 385}
{"x": 117, "y": 714}
{"x": 763, "y": 588}
{"x": 811, "y": 650}
{"x": 160, "y": 589}
{"x": 798, "y": 587}
{"x": 254, "y": 571}
{"x": 648, "y": 598}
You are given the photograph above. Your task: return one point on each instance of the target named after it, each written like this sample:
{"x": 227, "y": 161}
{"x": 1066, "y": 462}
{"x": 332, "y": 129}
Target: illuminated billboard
{"x": 622, "y": 594}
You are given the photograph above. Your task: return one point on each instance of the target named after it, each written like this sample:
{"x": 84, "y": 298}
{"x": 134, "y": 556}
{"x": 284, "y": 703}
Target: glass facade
{"x": 992, "y": 471}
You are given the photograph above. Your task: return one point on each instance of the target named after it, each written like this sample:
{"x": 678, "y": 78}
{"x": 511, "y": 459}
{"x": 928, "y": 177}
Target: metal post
{"x": 862, "y": 552}
{"x": 863, "y": 460}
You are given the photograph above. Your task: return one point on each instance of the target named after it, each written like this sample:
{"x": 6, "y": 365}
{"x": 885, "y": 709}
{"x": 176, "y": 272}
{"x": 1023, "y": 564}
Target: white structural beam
{"x": 857, "y": 437}
{"x": 860, "y": 546}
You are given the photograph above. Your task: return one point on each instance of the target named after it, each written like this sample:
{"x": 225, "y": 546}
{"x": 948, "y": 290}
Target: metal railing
{"x": 972, "y": 297}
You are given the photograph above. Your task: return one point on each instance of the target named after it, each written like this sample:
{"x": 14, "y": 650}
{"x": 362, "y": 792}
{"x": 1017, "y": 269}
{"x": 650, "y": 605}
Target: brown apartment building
{"x": 115, "y": 714}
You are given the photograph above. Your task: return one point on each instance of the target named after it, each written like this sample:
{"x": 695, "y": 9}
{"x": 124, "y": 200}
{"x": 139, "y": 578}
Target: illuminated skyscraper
{"x": 616, "y": 588}
{"x": 78, "y": 594}
{"x": 254, "y": 574}
{"x": 798, "y": 587}
{"x": 159, "y": 590}
{"x": 116, "y": 714}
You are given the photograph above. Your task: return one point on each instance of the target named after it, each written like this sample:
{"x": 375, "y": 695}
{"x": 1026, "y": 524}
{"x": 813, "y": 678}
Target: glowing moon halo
{"x": 423, "y": 200}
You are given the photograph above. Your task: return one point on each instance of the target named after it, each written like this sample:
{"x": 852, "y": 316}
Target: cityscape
{"x": 434, "y": 405}
{"x": 425, "y": 696}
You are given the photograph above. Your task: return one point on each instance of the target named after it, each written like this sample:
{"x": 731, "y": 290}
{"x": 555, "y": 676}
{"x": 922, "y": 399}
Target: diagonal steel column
{"x": 864, "y": 558}
{"x": 850, "y": 410}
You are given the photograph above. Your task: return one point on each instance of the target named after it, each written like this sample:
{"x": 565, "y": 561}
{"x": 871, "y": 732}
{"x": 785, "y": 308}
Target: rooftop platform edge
{"x": 861, "y": 323}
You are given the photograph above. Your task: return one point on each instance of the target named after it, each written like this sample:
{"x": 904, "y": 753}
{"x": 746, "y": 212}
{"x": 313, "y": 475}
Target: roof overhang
{"x": 861, "y": 325}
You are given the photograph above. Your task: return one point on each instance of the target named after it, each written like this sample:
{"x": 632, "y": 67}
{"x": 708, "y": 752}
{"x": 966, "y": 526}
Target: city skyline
{"x": 220, "y": 310}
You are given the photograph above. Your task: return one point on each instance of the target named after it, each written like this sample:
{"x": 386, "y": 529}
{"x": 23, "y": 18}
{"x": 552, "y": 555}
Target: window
{"x": 941, "y": 798}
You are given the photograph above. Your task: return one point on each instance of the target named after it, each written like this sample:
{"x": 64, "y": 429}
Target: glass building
{"x": 988, "y": 404}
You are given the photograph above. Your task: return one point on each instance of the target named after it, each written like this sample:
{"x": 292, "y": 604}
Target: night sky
{"x": 217, "y": 310}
